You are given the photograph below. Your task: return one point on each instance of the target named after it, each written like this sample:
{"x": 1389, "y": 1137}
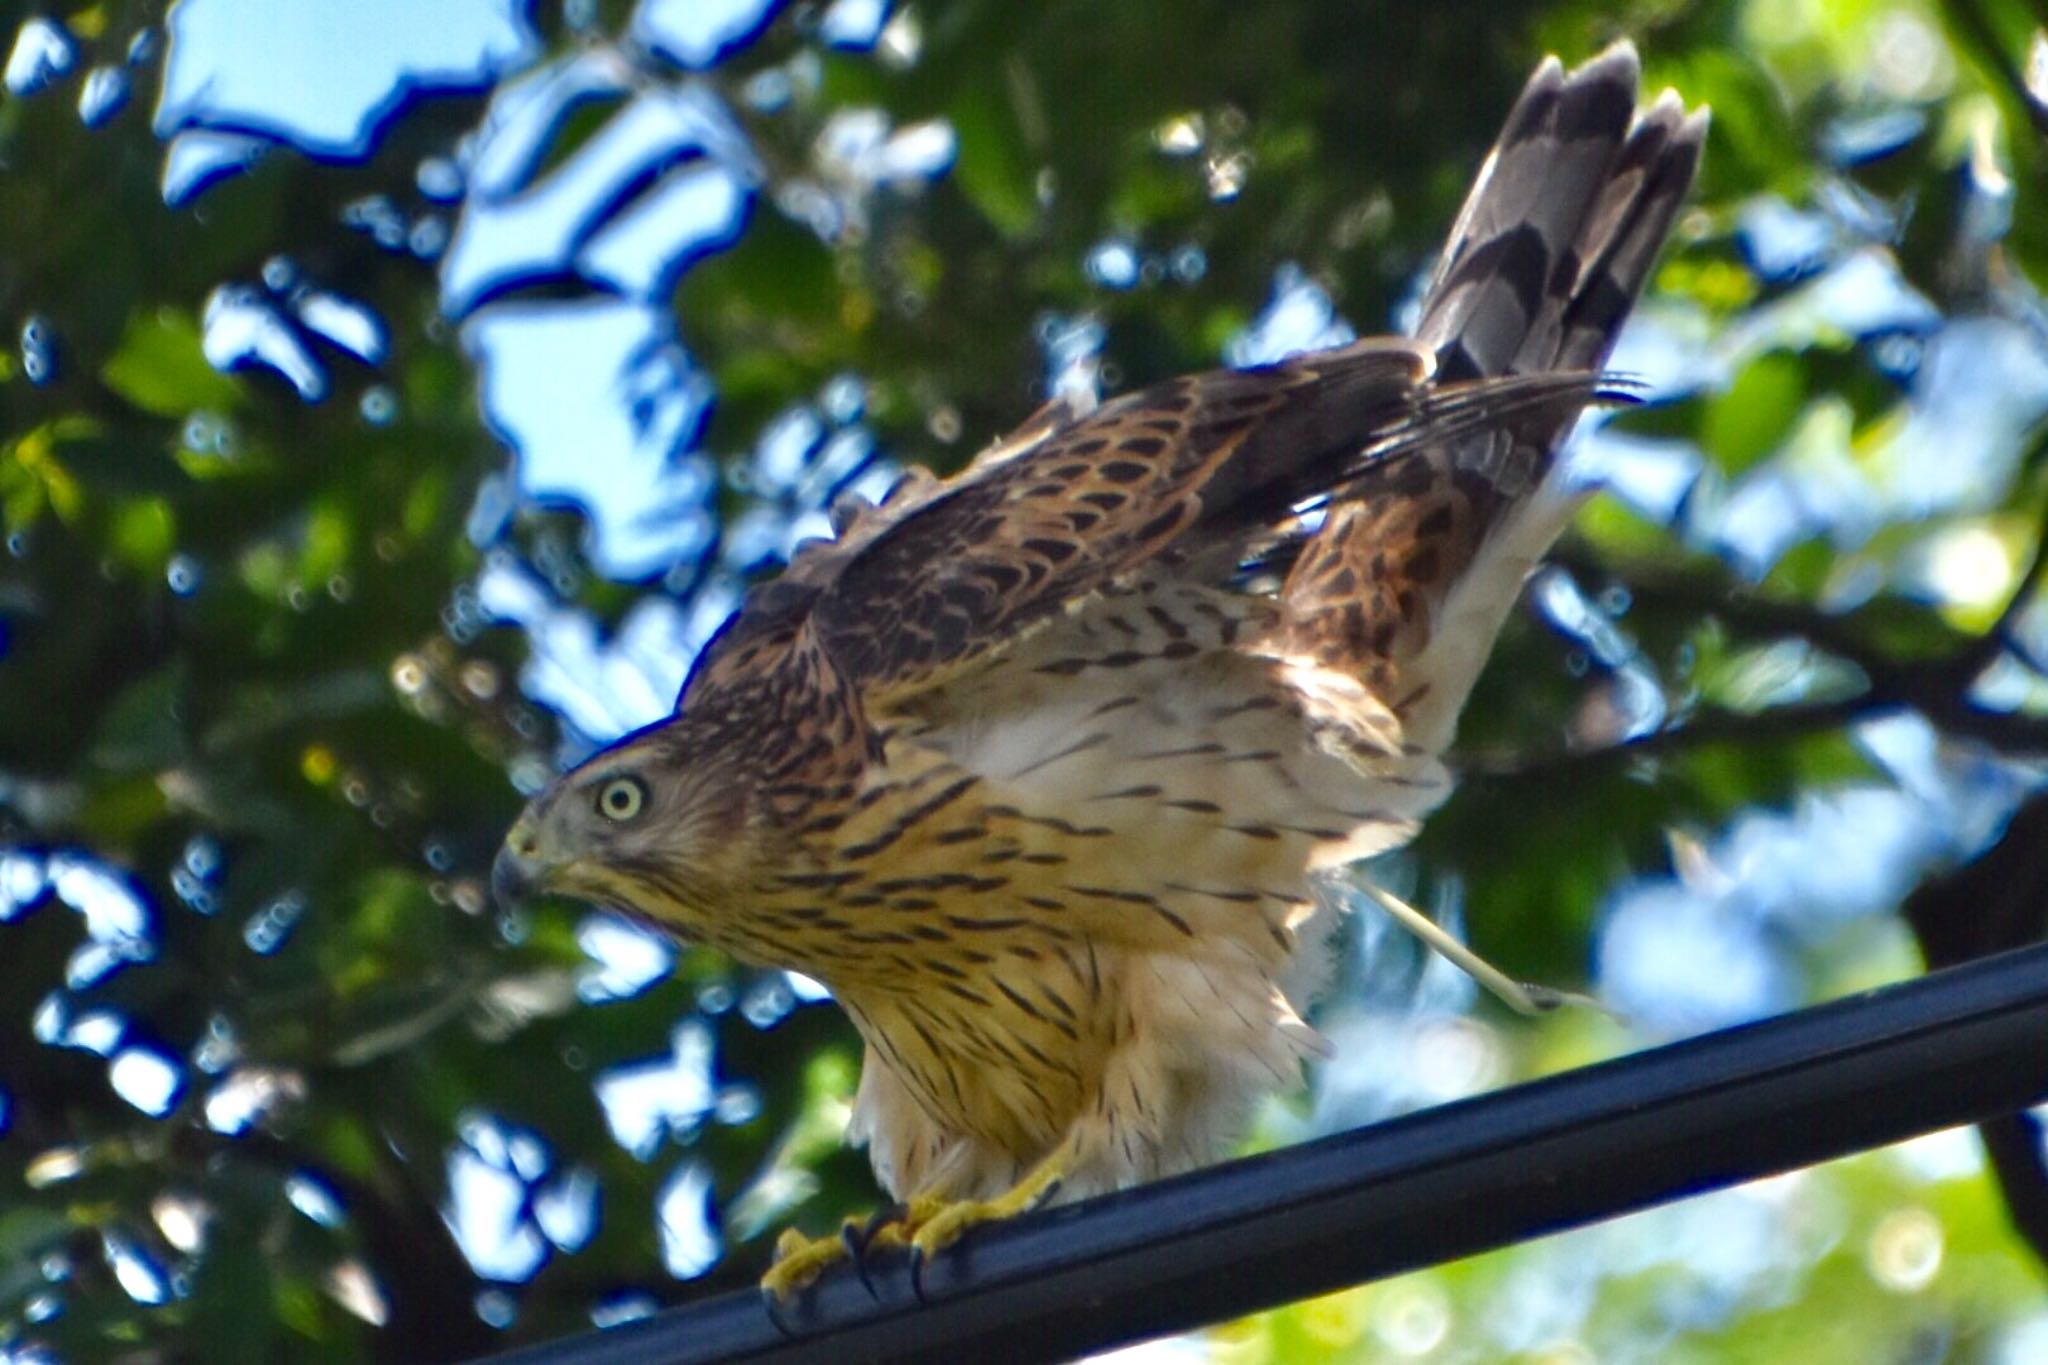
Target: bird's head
{"x": 656, "y": 825}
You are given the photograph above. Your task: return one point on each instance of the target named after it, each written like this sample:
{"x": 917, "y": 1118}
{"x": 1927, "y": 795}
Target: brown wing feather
{"x": 1423, "y": 447}
{"x": 1180, "y": 467}
{"x": 942, "y": 573}
{"x": 773, "y": 612}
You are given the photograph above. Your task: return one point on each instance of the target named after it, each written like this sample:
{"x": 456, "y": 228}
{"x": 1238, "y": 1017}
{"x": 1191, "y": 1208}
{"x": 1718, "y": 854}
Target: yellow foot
{"x": 942, "y": 1224}
{"x": 899, "y": 1228}
{"x": 927, "y": 1224}
{"x": 799, "y": 1260}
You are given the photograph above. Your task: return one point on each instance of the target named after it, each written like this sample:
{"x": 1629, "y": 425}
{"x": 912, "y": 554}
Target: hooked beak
{"x": 516, "y": 872}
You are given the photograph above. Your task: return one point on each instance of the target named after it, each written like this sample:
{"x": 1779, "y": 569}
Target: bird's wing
{"x": 966, "y": 568}
{"x": 769, "y": 618}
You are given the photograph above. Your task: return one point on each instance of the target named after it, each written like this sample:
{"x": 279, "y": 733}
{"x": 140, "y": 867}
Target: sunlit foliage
{"x": 396, "y": 396}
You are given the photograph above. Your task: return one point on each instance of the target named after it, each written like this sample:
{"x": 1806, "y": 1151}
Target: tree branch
{"x": 1938, "y": 689}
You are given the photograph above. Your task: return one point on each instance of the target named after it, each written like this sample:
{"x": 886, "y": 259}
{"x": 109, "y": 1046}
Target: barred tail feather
{"x": 1407, "y": 583}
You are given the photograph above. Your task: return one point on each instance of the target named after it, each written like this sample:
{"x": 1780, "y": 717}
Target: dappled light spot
{"x": 23, "y": 879}
{"x": 566, "y": 1208}
{"x": 490, "y": 1206}
{"x": 1651, "y": 474}
{"x": 1072, "y": 350}
{"x": 244, "y": 329}
{"x": 103, "y": 94}
{"x": 1112, "y": 264}
{"x": 1685, "y": 955}
{"x": 313, "y": 1197}
{"x": 378, "y": 217}
{"x": 696, "y": 33}
{"x": 251, "y": 66}
{"x": 197, "y": 158}
{"x": 1413, "y": 1318}
{"x": 623, "y": 1307}
{"x": 120, "y": 924}
{"x": 1298, "y": 316}
{"x": 43, "y": 52}
{"x": 666, "y": 179}
{"x": 737, "y": 1104}
{"x": 553, "y": 380}
{"x": 51, "y": 1018}
{"x": 1678, "y": 962}
{"x": 267, "y": 931}
{"x": 219, "y": 1046}
{"x": 690, "y": 1243}
{"x": 1945, "y": 1154}
{"x": 114, "y": 910}
{"x": 98, "y": 1031}
{"x": 861, "y": 149}
{"x": 195, "y": 875}
{"x": 343, "y": 321}
{"x": 649, "y": 1103}
{"x": 351, "y": 1284}
{"x": 806, "y": 990}
{"x": 139, "y": 1273}
{"x": 55, "y": 1166}
{"x": 440, "y": 179}
{"x": 183, "y": 1219}
{"x": 248, "y": 1095}
{"x": 379, "y": 405}
{"x": 1963, "y": 566}
{"x": 853, "y": 25}
{"x": 1782, "y": 242}
{"x": 626, "y": 960}
{"x": 38, "y": 350}
{"x": 1981, "y": 385}
{"x": 602, "y": 687}
{"x": 148, "y": 1078}
{"x": 642, "y": 251}
{"x": 858, "y": 153}
{"x": 768, "y": 1001}
{"x": 496, "y": 1308}
{"x": 1905, "y": 1250}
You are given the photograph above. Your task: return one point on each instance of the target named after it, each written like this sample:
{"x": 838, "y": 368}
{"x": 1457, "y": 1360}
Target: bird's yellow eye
{"x": 621, "y": 798}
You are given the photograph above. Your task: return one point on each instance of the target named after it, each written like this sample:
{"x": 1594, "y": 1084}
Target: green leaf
{"x": 145, "y": 531}
{"x": 141, "y": 731}
{"x": 992, "y": 170}
{"x": 1756, "y": 413}
{"x": 25, "y": 1233}
{"x": 160, "y": 367}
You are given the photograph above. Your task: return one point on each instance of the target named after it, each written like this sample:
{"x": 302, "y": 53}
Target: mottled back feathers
{"x": 1422, "y": 448}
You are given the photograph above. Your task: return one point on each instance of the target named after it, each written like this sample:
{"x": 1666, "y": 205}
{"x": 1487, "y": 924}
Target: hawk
{"x": 1037, "y": 768}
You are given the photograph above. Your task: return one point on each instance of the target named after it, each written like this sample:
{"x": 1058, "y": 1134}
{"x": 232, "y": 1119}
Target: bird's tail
{"x": 1408, "y": 581}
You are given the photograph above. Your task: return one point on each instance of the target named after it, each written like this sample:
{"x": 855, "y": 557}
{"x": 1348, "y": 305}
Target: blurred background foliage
{"x": 396, "y": 396}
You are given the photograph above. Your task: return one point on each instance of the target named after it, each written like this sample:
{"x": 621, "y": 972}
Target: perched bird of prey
{"x": 1037, "y": 768}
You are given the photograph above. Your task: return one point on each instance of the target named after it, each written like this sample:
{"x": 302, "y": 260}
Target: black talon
{"x": 917, "y": 1273}
{"x": 857, "y": 1236}
{"x": 889, "y": 1213}
{"x": 771, "y": 1304}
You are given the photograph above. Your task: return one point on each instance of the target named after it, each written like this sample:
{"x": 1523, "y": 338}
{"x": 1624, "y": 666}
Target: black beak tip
{"x": 511, "y": 880}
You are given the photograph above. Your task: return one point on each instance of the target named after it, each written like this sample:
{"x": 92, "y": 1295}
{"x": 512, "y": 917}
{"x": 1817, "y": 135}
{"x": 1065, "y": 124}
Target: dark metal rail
{"x": 1953, "y": 1047}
